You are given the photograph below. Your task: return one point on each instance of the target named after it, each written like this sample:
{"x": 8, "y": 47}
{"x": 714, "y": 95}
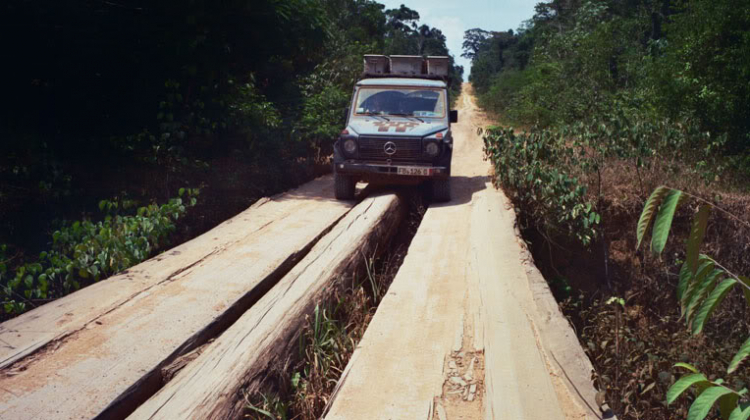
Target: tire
{"x": 343, "y": 186}
{"x": 441, "y": 190}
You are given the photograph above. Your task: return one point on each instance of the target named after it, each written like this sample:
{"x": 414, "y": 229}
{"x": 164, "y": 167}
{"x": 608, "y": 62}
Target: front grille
{"x": 407, "y": 148}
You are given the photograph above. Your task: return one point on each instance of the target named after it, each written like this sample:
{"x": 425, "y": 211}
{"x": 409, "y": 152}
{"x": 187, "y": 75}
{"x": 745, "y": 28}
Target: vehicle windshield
{"x": 401, "y": 101}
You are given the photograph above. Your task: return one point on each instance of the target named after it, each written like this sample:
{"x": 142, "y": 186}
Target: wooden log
{"x": 99, "y": 352}
{"x": 210, "y": 386}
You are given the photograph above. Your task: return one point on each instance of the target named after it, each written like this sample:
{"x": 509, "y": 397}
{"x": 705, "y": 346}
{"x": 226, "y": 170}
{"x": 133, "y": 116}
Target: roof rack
{"x": 412, "y": 66}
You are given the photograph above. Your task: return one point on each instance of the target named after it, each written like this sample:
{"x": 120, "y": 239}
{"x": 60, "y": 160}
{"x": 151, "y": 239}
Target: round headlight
{"x": 350, "y": 146}
{"x": 431, "y": 149}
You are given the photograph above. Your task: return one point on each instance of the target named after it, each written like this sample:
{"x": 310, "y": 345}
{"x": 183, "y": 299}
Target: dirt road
{"x": 460, "y": 335}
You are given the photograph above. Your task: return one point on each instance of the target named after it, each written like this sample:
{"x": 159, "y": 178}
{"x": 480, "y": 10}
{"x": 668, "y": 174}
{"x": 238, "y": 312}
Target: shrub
{"x": 554, "y": 174}
{"x": 86, "y": 251}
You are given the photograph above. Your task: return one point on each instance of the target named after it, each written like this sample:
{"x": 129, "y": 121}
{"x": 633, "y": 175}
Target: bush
{"x": 86, "y": 251}
{"x": 550, "y": 172}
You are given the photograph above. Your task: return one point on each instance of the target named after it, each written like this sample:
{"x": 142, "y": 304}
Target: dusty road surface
{"x": 460, "y": 335}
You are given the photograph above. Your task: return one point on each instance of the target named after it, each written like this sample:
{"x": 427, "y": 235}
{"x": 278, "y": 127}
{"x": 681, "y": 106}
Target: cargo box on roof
{"x": 437, "y": 66}
{"x": 376, "y": 64}
{"x": 406, "y": 65}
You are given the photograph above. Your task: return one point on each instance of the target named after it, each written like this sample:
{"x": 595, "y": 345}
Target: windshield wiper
{"x": 407, "y": 116}
{"x": 372, "y": 114}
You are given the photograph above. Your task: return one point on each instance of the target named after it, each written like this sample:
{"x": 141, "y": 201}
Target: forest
{"x": 629, "y": 113}
{"x": 129, "y": 115}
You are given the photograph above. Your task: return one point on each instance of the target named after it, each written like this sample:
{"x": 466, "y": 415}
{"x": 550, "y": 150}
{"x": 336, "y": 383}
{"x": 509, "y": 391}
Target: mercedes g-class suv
{"x": 398, "y": 127}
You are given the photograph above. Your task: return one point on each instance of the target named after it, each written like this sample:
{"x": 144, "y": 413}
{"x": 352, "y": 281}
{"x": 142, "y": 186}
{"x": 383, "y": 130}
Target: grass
{"x": 300, "y": 388}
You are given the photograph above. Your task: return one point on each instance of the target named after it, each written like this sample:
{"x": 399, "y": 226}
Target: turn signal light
{"x": 345, "y": 132}
{"x": 439, "y": 135}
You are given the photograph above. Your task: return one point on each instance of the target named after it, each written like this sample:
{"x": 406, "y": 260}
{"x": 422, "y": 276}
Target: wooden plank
{"x": 453, "y": 308}
{"x": 99, "y": 351}
{"x": 209, "y": 387}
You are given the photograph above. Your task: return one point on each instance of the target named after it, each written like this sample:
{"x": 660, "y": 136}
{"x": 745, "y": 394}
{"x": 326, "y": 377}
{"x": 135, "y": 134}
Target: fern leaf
{"x": 706, "y": 266}
{"x": 697, "y": 233}
{"x": 652, "y": 204}
{"x": 663, "y": 222}
{"x": 742, "y": 412}
{"x": 713, "y": 300}
{"x": 740, "y": 356}
{"x": 683, "y": 384}
{"x": 702, "y": 405}
{"x": 704, "y": 288}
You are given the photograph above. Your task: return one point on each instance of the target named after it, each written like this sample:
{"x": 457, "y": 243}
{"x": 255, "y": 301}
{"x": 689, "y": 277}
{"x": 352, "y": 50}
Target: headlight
{"x": 431, "y": 149}
{"x": 350, "y": 146}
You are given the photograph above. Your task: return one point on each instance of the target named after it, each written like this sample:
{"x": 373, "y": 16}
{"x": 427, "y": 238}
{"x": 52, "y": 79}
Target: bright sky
{"x": 453, "y": 17}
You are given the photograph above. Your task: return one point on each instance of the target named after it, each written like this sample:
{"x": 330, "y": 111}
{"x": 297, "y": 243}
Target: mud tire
{"x": 343, "y": 186}
{"x": 441, "y": 190}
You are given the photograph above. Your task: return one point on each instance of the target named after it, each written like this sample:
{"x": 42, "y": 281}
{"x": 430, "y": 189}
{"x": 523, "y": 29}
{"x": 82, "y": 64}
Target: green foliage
{"x": 532, "y": 168}
{"x": 270, "y": 407}
{"x": 649, "y": 210}
{"x": 550, "y": 171}
{"x": 703, "y": 285}
{"x": 663, "y": 221}
{"x": 743, "y": 352}
{"x": 705, "y": 69}
{"x": 684, "y": 384}
{"x": 581, "y": 60}
{"x": 86, "y": 251}
{"x": 702, "y": 405}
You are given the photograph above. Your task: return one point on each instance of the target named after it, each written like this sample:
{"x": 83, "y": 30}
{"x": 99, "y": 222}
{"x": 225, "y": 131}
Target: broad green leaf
{"x": 700, "y": 292}
{"x": 742, "y": 412}
{"x": 702, "y": 405}
{"x": 686, "y": 366}
{"x": 697, "y": 233}
{"x": 648, "y": 212}
{"x": 683, "y": 384}
{"x": 682, "y": 285}
{"x": 706, "y": 266}
{"x": 740, "y": 356}
{"x": 713, "y": 300}
{"x": 727, "y": 404}
{"x": 663, "y": 222}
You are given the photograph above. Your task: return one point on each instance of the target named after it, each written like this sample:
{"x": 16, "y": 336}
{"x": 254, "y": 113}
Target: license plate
{"x": 413, "y": 170}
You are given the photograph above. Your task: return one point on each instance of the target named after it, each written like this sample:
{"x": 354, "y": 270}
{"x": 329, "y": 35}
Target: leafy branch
{"x": 703, "y": 285}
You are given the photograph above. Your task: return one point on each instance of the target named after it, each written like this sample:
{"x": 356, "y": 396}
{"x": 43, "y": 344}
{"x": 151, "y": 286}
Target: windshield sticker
{"x": 401, "y": 126}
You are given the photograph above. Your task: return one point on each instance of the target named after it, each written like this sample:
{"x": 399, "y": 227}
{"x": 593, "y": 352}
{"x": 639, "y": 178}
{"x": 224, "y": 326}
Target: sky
{"x": 453, "y": 17}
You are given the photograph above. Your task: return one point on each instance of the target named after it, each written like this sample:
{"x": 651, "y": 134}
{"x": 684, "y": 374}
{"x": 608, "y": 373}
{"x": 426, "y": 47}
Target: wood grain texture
{"x": 209, "y": 387}
{"x": 100, "y": 350}
{"x": 456, "y": 293}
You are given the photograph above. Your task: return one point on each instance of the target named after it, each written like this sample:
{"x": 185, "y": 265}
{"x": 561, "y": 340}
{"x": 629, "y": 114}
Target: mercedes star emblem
{"x": 389, "y": 148}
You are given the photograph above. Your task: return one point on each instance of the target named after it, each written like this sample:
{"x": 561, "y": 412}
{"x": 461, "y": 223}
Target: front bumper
{"x": 378, "y": 170}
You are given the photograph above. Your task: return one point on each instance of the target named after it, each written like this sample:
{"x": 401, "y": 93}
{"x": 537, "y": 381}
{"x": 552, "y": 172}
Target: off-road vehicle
{"x": 398, "y": 129}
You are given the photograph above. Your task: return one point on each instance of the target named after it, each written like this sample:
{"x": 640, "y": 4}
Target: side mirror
{"x": 346, "y": 115}
{"x": 454, "y": 116}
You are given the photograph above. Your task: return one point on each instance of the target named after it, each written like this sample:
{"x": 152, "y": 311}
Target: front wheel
{"x": 441, "y": 190}
{"x": 343, "y": 186}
